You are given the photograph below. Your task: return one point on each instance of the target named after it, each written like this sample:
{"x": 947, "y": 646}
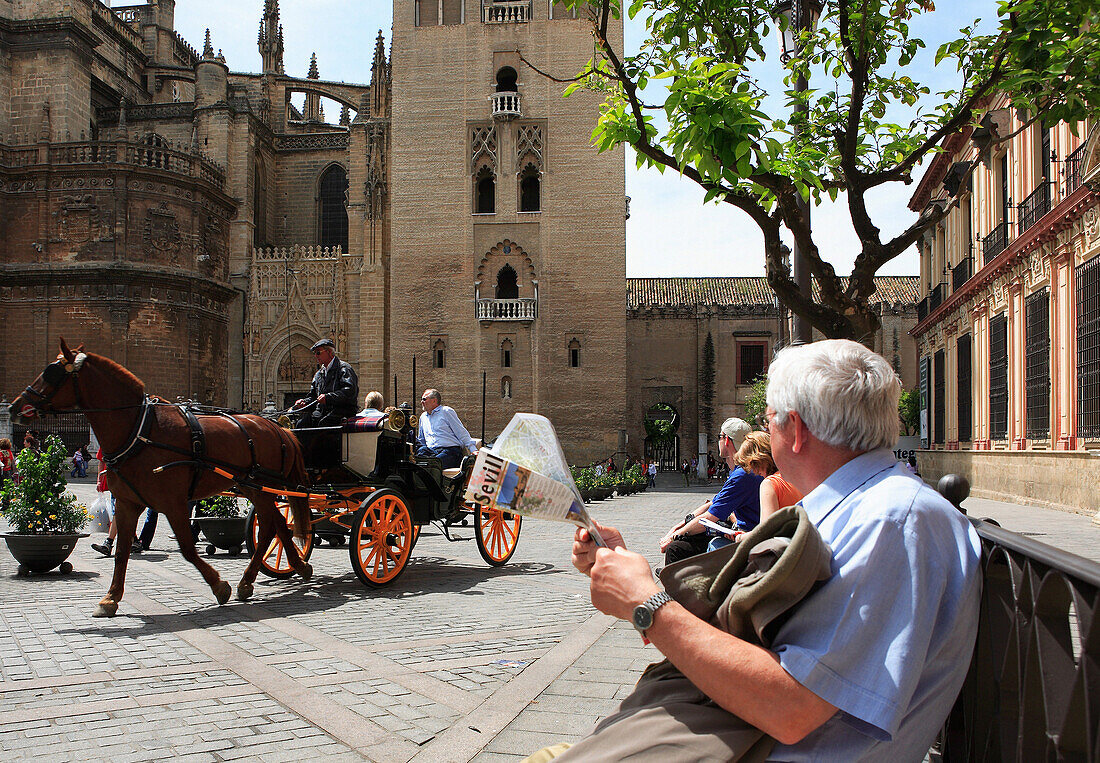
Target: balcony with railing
{"x": 1072, "y": 169}
{"x": 177, "y": 161}
{"x": 995, "y": 243}
{"x": 523, "y": 309}
{"x": 922, "y": 309}
{"x": 1035, "y": 206}
{"x": 960, "y": 274}
{"x": 505, "y": 105}
{"x": 937, "y": 296}
{"x": 509, "y": 12}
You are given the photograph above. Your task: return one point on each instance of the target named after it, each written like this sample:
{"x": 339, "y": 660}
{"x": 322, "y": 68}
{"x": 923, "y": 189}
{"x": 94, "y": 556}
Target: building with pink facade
{"x": 1008, "y": 331}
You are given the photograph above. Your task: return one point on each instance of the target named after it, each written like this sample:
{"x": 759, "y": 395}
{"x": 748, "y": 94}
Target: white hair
{"x": 846, "y": 394}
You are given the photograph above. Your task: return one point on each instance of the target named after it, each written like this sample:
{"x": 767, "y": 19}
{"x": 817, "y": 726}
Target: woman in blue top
{"x": 739, "y": 498}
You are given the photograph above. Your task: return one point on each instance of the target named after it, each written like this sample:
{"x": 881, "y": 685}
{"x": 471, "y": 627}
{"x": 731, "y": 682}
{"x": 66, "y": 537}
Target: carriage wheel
{"x": 497, "y": 534}
{"x": 274, "y": 563}
{"x": 382, "y": 538}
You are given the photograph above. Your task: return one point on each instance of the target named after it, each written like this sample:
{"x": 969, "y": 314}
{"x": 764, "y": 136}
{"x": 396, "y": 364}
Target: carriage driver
{"x": 335, "y": 389}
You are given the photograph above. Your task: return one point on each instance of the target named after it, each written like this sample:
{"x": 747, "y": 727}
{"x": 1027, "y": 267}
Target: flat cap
{"x": 323, "y": 343}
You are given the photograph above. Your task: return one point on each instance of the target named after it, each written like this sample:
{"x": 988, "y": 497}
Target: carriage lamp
{"x": 793, "y": 17}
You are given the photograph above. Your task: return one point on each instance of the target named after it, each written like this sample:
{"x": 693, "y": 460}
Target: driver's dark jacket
{"x": 340, "y": 386}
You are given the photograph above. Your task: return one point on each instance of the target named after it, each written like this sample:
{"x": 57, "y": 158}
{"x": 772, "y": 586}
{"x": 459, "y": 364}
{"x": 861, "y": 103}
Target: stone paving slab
{"x": 455, "y": 660}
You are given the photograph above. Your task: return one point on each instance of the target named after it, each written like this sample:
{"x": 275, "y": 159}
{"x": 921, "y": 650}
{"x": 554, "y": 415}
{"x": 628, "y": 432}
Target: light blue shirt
{"x": 442, "y": 429}
{"x": 888, "y": 639}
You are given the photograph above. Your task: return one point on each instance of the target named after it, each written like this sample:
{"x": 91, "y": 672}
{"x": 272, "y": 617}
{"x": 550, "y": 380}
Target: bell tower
{"x": 506, "y": 222}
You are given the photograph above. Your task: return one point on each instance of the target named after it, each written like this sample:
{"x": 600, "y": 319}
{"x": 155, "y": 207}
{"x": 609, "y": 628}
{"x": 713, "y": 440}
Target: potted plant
{"x": 46, "y": 520}
{"x": 223, "y": 522}
{"x": 584, "y": 479}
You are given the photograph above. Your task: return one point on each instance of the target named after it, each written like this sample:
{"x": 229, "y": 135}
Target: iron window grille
{"x": 938, "y": 389}
{"x": 925, "y": 395}
{"x": 1037, "y": 364}
{"x": 1088, "y": 349}
{"x": 998, "y": 377}
{"x": 964, "y": 392}
{"x": 752, "y": 362}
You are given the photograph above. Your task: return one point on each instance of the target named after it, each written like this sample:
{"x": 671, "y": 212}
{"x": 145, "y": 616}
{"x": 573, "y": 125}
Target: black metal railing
{"x": 1072, "y": 169}
{"x": 922, "y": 309}
{"x": 960, "y": 274}
{"x": 937, "y": 296}
{"x": 1029, "y": 693}
{"x": 995, "y": 243}
{"x": 1035, "y": 205}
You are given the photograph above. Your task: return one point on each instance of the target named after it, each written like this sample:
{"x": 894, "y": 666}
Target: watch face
{"x": 643, "y": 617}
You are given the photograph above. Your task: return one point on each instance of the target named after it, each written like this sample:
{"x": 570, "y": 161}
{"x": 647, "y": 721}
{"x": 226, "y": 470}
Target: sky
{"x": 670, "y": 232}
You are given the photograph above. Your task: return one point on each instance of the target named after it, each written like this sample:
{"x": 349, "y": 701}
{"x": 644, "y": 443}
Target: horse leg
{"x": 180, "y": 519}
{"x": 126, "y": 517}
{"x": 286, "y": 537}
{"x": 265, "y": 534}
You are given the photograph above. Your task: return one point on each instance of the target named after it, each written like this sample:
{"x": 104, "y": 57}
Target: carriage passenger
{"x": 334, "y": 391}
{"x": 372, "y": 404}
{"x": 441, "y": 434}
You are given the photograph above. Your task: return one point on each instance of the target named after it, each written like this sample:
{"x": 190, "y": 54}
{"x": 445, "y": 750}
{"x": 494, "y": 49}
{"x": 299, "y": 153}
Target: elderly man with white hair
{"x": 868, "y": 665}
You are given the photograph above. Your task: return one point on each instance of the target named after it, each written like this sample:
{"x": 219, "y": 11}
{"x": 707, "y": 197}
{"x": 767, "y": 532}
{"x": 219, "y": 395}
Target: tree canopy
{"x": 867, "y": 121}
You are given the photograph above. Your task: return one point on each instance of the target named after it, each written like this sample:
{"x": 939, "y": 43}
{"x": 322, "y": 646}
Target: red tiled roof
{"x": 742, "y": 291}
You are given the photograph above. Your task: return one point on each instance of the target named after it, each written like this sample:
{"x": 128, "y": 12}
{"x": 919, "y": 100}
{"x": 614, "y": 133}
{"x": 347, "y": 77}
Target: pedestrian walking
{"x": 80, "y": 469}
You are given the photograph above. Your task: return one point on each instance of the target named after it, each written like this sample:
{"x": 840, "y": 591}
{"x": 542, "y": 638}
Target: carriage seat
{"x": 452, "y": 472}
{"x": 361, "y": 441}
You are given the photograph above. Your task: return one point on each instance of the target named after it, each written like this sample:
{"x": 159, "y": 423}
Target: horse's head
{"x": 55, "y": 388}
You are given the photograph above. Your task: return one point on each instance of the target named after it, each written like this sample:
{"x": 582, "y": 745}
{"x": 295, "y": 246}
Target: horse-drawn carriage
{"x": 361, "y": 480}
{"x": 369, "y": 489}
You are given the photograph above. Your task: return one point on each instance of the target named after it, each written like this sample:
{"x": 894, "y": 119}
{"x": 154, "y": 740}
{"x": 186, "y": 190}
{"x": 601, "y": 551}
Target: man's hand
{"x": 584, "y": 548}
{"x": 298, "y": 404}
{"x": 621, "y": 580}
{"x": 321, "y": 399}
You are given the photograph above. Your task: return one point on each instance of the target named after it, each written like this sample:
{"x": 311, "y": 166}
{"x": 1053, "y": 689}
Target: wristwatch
{"x": 643, "y": 613}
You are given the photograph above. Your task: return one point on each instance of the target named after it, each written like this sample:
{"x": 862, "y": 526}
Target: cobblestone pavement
{"x": 455, "y": 661}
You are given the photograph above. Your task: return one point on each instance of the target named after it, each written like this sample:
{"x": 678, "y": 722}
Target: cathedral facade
{"x": 452, "y": 228}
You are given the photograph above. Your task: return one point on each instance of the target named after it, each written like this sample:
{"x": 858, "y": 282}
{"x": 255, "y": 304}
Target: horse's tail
{"x": 303, "y": 522}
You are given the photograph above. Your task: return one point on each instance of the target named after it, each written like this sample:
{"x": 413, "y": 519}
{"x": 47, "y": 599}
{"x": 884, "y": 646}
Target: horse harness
{"x": 56, "y": 373}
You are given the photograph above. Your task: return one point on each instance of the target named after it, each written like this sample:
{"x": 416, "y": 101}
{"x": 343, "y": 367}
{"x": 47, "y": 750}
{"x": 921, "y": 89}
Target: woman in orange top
{"x": 775, "y": 492}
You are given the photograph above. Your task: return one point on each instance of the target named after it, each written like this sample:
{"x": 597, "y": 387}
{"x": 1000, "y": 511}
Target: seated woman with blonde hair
{"x": 755, "y": 455}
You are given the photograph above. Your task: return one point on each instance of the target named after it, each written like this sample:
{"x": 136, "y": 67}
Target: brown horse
{"x": 140, "y": 434}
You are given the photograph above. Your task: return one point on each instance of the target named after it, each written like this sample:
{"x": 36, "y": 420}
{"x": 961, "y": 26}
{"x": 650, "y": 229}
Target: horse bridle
{"x": 55, "y": 375}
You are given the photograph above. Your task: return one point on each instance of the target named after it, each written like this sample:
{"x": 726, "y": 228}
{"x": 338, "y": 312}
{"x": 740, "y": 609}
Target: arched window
{"x": 334, "y": 214}
{"x": 485, "y": 192}
{"x": 507, "y": 283}
{"x": 506, "y": 80}
{"x": 439, "y": 354}
{"x": 506, "y": 353}
{"x": 574, "y": 353}
{"x": 530, "y": 190}
{"x": 506, "y": 388}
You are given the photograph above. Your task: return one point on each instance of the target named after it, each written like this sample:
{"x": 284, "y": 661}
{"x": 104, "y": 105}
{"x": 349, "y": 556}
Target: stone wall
{"x": 1059, "y": 480}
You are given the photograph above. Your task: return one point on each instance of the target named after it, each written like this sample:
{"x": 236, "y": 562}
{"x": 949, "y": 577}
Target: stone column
{"x": 1063, "y": 335}
{"x": 1017, "y": 391}
{"x": 5, "y": 419}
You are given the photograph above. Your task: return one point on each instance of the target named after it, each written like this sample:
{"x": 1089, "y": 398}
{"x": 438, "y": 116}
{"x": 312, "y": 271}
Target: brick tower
{"x": 508, "y": 229}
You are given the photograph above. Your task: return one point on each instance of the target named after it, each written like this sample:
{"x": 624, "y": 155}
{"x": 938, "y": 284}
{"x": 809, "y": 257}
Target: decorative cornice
{"x": 311, "y": 141}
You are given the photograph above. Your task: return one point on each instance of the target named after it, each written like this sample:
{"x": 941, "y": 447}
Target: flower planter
{"x": 41, "y": 553}
{"x": 226, "y": 533}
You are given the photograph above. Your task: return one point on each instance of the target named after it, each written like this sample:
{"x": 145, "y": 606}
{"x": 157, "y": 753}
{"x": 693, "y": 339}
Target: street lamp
{"x": 794, "y": 17}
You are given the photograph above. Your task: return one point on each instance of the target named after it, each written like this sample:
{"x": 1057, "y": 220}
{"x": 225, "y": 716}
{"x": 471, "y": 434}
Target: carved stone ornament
{"x": 162, "y": 233}
{"x": 529, "y": 146}
{"x": 1091, "y": 225}
{"x": 483, "y": 148}
{"x": 80, "y": 220}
